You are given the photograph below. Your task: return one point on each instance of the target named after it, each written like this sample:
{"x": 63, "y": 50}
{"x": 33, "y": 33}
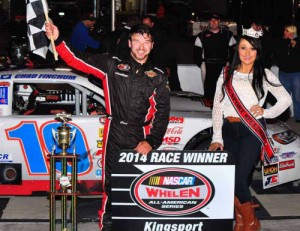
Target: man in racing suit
{"x": 213, "y": 48}
{"x": 136, "y": 97}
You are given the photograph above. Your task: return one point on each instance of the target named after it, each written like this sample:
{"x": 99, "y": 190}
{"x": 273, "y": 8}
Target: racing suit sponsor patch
{"x": 151, "y": 73}
{"x": 123, "y": 67}
{"x": 121, "y": 74}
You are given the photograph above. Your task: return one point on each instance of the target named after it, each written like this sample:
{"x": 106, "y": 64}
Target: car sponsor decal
{"x": 284, "y": 165}
{"x": 270, "y": 169}
{"x": 99, "y": 170}
{"x": 4, "y": 84}
{"x": 273, "y": 160}
{"x": 99, "y": 143}
{"x": 45, "y": 76}
{"x": 271, "y": 181}
{"x": 174, "y": 130}
{"x": 286, "y": 155}
{"x": 277, "y": 149}
{"x": 284, "y": 137}
{"x": 3, "y": 95}
{"x": 5, "y": 157}
{"x": 6, "y": 76}
{"x": 172, "y": 191}
{"x": 176, "y": 120}
{"x": 171, "y": 140}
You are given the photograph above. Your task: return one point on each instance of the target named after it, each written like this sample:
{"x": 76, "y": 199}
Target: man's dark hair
{"x": 151, "y": 17}
{"x": 141, "y": 29}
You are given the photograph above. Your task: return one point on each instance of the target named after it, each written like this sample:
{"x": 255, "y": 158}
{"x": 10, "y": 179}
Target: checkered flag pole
{"x": 37, "y": 15}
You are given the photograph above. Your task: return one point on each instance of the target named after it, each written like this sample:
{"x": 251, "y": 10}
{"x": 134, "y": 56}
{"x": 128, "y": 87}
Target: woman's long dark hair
{"x": 259, "y": 73}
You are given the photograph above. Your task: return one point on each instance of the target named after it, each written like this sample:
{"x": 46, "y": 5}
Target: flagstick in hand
{"x": 45, "y": 5}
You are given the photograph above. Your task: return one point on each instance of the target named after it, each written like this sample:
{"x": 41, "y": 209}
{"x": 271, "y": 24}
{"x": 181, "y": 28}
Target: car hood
{"x": 187, "y": 101}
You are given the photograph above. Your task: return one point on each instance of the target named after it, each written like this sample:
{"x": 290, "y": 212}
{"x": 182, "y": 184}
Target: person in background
{"x": 160, "y": 12}
{"x": 266, "y": 41}
{"x": 286, "y": 52}
{"x": 80, "y": 37}
{"x": 213, "y": 48}
{"x": 239, "y": 120}
{"x": 121, "y": 46}
{"x": 163, "y": 54}
{"x": 137, "y": 101}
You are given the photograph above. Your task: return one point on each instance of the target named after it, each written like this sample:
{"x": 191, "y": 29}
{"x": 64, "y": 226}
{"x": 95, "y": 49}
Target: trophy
{"x": 63, "y": 137}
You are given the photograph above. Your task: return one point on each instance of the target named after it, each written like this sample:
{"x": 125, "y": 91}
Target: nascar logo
{"x": 172, "y": 191}
{"x": 177, "y": 180}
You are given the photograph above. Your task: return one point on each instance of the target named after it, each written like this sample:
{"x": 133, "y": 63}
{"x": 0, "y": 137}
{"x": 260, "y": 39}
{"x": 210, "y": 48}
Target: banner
{"x": 173, "y": 190}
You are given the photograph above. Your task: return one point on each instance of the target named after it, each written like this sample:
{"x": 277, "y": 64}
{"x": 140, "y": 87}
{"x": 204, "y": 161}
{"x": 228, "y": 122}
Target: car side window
{"x": 51, "y": 99}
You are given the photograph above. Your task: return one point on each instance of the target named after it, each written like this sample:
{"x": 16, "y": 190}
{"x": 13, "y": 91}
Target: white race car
{"x": 31, "y": 99}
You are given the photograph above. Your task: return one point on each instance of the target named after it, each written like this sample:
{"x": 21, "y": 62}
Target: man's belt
{"x": 122, "y": 122}
{"x": 255, "y": 126}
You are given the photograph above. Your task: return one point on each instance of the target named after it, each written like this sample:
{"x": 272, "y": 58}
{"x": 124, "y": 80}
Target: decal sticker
{"x": 4, "y": 84}
{"x": 271, "y": 181}
{"x": 286, "y": 155}
{"x": 277, "y": 149}
{"x": 176, "y": 120}
{"x": 273, "y": 160}
{"x": 99, "y": 171}
{"x": 284, "y": 165}
{"x": 101, "y": 131}
{"x": 171, "y": 140}
{"x": 151, "y": 73}
{"x": 284, "y": 137}
{"x": 123, "y": 67}
{"x": 4, "y": 157}
{"x": 270, "y": 169}
{"x": 174, "y": 130}
{"x": 99, "y": 143}
{"x": 3, "y": 95}
{"x": 7, "y": 76}
{"x": 172, "y": 191}
{"x": 45, "y": 76}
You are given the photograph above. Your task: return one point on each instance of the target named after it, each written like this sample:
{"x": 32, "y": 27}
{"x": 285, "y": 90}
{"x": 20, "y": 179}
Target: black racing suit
{"x": 215, "y": 50}
{"x": 137, "y": 102}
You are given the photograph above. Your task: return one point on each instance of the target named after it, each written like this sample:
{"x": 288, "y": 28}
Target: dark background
{"x": 273, "y": 13}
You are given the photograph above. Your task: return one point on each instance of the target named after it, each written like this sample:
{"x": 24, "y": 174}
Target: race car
{"x": 31, "y": 100}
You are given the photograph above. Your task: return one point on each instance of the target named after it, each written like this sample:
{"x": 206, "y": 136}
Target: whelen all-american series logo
{"x": 172, "y": 191}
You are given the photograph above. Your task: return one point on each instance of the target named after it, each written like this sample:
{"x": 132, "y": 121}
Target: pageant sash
{"x": 249, "y": 120}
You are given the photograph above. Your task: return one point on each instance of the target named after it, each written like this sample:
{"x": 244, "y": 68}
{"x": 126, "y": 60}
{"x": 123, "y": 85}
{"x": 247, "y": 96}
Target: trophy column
{"x": 67, "y": 187}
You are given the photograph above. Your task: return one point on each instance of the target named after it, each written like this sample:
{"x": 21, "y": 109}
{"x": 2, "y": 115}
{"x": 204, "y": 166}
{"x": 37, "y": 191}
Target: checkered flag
{"x": 36, "y": 16}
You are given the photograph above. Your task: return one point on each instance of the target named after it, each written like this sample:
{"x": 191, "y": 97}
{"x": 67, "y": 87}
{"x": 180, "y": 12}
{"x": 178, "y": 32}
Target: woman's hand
{"x": 256, "y": 110}
{"x": 216, "y": 146}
